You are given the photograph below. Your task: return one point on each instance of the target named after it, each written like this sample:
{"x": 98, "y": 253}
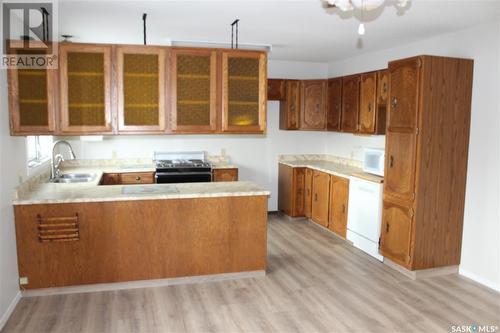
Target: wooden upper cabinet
{"x": 31, "y": 101}
{"x": 244, "y": 91}
{"x": 313, "y": 113}
{"x": 290, "y": 106}
{"x": 350, "y": 103}
{"x": 382, "y": 87}
{"x": 193, "y": 89}
{"x": 85, "y": 88}
{"x": 320, "y": 198}
{"x": 339, "y": 198}
{"x": 334, "y": 104}
{"x": 368, "y": 103}
{"x": 404, "y": 93}
{"x": 275, "y": 89}
{"x": 141, "y": 88}
{"x": 395, "y": 236}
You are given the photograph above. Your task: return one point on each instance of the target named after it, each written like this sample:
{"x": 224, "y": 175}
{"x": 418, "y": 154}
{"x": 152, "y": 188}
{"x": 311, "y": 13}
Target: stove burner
{"x": 182, "y": 164}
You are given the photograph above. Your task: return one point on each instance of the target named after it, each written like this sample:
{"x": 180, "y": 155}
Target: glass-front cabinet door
{"x": 32, "y": 93}
{"x": 85, "y": 88}
{"x": 141, "y": 88}
{"x": 193, "y": 89}
{"x": 31, "y": 101}
{"x": 244, "y": 91}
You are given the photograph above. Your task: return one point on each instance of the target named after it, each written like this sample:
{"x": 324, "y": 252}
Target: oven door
{"x": 183, "y": 177}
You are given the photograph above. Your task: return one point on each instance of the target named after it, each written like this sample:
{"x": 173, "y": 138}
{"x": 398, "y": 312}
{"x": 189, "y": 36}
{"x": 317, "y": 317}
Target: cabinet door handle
{"x": 394, "y": 102}
{"x": 343, "y": 208}
{"x": 384, "y": 87}
{"x": 315, "y": 196}
{"x": 138, "y": 178}
{"x": 387, "y": 227}
{"x": 369, "y": 107}
{"x": 391, "y": 161}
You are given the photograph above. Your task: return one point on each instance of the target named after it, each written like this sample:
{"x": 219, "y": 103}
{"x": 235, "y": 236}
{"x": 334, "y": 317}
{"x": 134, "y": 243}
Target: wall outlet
{"x": 23, "y": 280}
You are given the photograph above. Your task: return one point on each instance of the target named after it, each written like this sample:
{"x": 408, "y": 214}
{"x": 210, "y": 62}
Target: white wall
{"x": 481, "y": 239}
{"x": 256, "y": 155}
{"x": 12, "y": 163}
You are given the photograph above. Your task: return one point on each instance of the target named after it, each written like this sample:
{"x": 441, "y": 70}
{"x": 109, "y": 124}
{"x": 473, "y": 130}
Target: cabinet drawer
{"x": 225, "y": 175}
{"x": 138, "y": 178}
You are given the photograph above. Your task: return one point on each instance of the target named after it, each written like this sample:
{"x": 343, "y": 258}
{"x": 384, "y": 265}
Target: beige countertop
{"x": 45, "y": 193}
{"x": 337, "y": 169}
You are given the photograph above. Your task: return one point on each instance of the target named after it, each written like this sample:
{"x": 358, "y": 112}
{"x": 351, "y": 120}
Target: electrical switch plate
{"x": 23, "y": 280}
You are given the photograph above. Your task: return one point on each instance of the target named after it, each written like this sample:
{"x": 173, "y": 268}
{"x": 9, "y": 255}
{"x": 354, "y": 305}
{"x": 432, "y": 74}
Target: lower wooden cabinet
{"x": 225, "y": 175}
{"x": 110, "y": 179}
{"x": 317, "y": 195}
{"x": 291, "y": 190}
{"x": 395, "y": 236}
{"x": 128, "y": 178}
{"x": 320, "y": 197}
{"x": 339, "y": 199}
{"x": 308, "y": 193}
{"x": 103, "y": 242}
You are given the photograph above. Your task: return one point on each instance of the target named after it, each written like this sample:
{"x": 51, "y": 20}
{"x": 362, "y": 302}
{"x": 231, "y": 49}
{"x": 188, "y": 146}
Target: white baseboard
{"x": 10, "y": 309}
{"x": 480, "y": 280}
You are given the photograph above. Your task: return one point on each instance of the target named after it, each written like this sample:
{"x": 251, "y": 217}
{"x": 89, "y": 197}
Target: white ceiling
{"x": 297, "y": 30}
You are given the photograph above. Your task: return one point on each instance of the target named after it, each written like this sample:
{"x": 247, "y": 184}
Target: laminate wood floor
{"x": 315, "y": 283}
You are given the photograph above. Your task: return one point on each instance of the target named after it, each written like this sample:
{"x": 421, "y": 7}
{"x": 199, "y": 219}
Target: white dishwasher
{"x": 364, "y": 215}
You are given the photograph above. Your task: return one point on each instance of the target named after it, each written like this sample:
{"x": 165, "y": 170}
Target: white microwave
{"x": 373, "y": 161}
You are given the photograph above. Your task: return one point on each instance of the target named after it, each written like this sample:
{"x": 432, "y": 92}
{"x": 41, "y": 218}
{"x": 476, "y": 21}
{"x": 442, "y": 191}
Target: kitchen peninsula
{"x": 86, "y": 233}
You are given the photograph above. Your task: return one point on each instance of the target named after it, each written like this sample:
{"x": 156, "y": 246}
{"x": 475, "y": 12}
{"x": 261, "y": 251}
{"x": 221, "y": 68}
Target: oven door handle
{"x": 183, "y": 173}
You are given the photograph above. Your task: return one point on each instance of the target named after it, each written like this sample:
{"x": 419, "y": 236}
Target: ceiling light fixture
{"x": 362, "y": 5}
{"x": 348, "y": 5}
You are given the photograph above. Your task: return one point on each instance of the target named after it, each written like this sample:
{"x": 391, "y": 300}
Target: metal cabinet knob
{"x": 138, "y": 178}
{"x": 394, "y": 102}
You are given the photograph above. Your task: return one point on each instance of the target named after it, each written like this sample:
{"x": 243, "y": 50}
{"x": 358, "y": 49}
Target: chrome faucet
{"x": 57, "y": 159}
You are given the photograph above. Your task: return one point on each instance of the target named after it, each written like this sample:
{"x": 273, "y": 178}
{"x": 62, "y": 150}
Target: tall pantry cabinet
{"x": 426, "y": 161}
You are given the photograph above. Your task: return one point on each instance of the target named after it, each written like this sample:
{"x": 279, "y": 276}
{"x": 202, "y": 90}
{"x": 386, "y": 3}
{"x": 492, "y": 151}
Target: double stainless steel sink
{"x": 68, "y": 178}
